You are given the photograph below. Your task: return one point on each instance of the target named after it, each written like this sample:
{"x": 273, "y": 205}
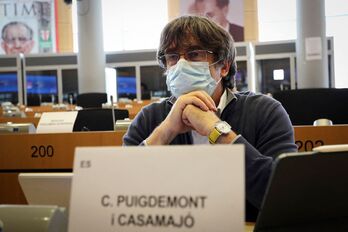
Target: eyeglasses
{"x": 12, "y": 41}
{"x": 168, "y": 60}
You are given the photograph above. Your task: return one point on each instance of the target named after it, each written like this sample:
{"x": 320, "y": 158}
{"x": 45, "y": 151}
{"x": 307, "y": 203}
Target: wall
{"x": 250, "y": 17}
{"x": 64, "y": 23}
{"x": 64, "y": 27}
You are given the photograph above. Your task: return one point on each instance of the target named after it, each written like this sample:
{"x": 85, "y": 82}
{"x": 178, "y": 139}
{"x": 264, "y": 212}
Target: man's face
{"x": 190, "y": 44}
{"x": 212, "y": 11}
{"x": 17, "y": 40}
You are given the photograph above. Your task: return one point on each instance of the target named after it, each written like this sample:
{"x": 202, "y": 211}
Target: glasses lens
{"x": 197, "y": 55}
{"x": 14, "y": 40}
{"x": 171, "y": 59}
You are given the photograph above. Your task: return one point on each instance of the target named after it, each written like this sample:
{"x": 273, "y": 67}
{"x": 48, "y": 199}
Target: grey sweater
{"x": 262, "y": 122}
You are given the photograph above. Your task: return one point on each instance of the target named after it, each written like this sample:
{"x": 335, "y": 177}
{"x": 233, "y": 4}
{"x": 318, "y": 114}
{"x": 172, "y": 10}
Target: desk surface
{"x": 133, "y": 108}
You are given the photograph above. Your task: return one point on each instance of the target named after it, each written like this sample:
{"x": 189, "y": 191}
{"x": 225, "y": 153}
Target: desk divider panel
{"x": 55, "y": 152}
{"x": 49, "y": 151}
{"x": 308, "y": 137}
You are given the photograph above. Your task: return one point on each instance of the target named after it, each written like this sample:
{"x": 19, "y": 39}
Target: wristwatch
{"x": 220, "y": 128}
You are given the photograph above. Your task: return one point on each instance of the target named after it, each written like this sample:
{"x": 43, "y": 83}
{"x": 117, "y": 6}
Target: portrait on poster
{"x": 27, "y": 26}
{"x": 229, "y": 14}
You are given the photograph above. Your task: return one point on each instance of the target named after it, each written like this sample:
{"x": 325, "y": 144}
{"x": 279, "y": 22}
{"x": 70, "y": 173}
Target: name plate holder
{"x": 157, "y": 188}
{"x": 56, "y": 122}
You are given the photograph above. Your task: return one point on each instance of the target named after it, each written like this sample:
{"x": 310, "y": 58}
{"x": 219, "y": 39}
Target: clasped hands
{"x": 192, "y": 111}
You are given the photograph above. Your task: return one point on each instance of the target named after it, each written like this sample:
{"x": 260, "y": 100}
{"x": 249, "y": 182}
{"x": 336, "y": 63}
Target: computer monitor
{"x": 275, "y": 75}
{"x": 126, "y": 87}
{"x": 42, "y": 84}
{"x": 153, "y": 82}
{"x": 8, "y": 87}
{"x": 70, "y": 85}
{"x": 307, "y": 191}
{"x": 241, "y": 76}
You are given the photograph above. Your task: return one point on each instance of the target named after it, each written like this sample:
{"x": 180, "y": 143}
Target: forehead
{"x": 188, "y": 42}
{"x": 16, "y": 29}
{"x": 210, "y": 4}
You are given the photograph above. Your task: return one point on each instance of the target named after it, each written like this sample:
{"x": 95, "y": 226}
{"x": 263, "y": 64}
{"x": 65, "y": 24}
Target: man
{"x": 217, "y": 10}
{"x": 17, "y": 37}
{"x": 199, "y": 58}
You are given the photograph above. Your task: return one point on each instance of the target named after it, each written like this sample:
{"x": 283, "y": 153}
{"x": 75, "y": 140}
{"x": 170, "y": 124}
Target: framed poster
{"x": 27, "y": 26}
{"x": 229, "y": 14}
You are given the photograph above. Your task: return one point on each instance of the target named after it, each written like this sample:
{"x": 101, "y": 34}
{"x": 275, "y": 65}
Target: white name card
{"x": 56, "y": 122}
{"x": 158, "y": 188}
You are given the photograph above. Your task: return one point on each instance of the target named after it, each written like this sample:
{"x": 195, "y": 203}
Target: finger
{"x": 187, "y": 123}
{"x": 185, "y": 120}
{"x": 197, "y": 102}
{"x": 186, "y": 100}
{"x": 205, "y": 98}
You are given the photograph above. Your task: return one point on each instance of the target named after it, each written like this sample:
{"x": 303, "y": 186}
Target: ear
{"x": 225, "y": 69}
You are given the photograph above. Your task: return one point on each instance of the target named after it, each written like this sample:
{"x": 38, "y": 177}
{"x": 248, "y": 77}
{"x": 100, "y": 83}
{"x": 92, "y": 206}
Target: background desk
{"x": 42, "y": 153}
{"x": 308, "y": 137}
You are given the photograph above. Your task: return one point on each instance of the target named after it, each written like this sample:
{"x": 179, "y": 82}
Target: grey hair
{"x": 16, "y": 23}
{"x": 207, "y": 33}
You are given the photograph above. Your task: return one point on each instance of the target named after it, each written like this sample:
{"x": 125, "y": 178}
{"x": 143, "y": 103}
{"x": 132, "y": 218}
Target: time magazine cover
{"x": 27, "y": 26}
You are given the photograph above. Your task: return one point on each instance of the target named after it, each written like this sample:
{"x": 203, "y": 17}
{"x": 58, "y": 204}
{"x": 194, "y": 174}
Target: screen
{"x": 126, "y": 86}
{"x": 70, "y": 85}
{"x": 8, "y": 83}
{"x": 272, "y": 81}
{"x": 41, "y": 84}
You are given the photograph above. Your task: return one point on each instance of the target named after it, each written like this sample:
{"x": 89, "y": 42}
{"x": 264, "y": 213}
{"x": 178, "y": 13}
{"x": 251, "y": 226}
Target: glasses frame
{"x": 21, "y": 40}
{"x": 163, "y": 58}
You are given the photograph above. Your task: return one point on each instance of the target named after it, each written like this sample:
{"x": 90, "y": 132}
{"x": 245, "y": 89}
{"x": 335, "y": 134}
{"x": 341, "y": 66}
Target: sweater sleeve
{"x": 137, "y": 131}
{"x": 273, "y": 136}
{"x": 144, "y": 123}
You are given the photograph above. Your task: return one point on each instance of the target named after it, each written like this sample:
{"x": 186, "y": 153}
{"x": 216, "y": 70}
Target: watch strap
{"x": 214, "y": 135}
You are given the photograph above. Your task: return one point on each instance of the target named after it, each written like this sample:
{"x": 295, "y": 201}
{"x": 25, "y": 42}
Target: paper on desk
{"x": 56, "y": 122}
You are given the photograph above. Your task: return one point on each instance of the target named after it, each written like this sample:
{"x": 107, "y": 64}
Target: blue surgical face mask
{"x": 185, "y": 77}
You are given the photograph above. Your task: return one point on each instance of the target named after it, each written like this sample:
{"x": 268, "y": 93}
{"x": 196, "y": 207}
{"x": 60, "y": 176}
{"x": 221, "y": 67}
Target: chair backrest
{"x": 33, "y": 100}
{"x": 304, "y": 106}
{"x": 91, "y": 100}
{"x": 98, "y": 119}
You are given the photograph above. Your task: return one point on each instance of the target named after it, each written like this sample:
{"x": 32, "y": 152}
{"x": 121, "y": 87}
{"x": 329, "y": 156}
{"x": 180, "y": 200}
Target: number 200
{"x": 42, "y": 151}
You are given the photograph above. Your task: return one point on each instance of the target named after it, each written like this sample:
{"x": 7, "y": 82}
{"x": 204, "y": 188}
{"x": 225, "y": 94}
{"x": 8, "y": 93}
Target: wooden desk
{"x": 133, "y": 108}
{"x": 32, "y": 120}
{"x": 308, "y": 137}
{"x": 55, "y": 152}
{"x": 42, "y": 153}
{"x": 49, "y": 151}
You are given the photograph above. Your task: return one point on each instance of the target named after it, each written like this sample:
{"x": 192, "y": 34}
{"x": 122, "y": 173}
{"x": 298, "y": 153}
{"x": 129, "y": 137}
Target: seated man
{"x": 199, "y": 58}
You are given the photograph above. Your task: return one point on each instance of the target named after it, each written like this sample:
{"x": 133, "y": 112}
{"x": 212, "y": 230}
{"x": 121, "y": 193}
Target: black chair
{"x": 98, "y": 119}
{"x": 33, "y": 100}
{"x": 304, "y": 106}
{"x": 91, "y": 100}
